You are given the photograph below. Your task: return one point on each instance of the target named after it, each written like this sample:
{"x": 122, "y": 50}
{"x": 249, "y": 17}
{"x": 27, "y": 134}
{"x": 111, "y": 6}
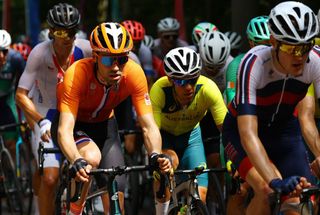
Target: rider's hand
{"x": 315, "y": 167}
{"x": 79, "y": 170}
{"x": 161, "y": 162}
{"x": 285, "y": 186}
{"x": 45, "y": 126}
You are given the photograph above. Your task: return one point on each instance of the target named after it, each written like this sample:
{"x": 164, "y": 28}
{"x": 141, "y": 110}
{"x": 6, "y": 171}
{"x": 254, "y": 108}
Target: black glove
{"x": 285, "y": 186}
{"x": 153, "y": 160}
{"x": 79, "y": 164}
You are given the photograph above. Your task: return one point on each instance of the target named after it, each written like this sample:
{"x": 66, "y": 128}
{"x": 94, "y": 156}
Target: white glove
{"x": 45, "y": 125}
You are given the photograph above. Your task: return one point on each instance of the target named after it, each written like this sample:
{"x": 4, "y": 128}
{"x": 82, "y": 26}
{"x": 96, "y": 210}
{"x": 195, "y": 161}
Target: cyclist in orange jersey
{"x": 86, "y": 129}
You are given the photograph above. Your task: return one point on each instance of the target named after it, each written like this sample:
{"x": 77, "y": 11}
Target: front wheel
{"x": 198, "y": 208}
{"x": 11, "y": 184}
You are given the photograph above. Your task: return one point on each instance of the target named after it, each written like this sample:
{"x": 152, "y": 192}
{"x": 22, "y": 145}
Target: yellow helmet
{"x": 111, "y": 38}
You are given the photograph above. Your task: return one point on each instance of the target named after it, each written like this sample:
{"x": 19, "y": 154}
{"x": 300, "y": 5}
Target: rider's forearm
{"x": 310, "y": 134}
{"x": 68, "y": 146}
{"x": 27, "y": 106}
{"x": 152, "y": 140}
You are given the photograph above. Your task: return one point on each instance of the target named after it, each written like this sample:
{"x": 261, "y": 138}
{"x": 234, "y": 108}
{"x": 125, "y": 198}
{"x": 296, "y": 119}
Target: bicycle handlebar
{"x": 119, "y": 170}
{"x": 12, "y": 125}
{"x": 198, "y": 171}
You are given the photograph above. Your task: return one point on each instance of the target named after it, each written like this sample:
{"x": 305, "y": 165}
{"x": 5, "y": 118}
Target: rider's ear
{"x": 95, "y": 56}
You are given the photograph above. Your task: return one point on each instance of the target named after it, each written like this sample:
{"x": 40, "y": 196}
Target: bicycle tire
{"x": 11, "y": 184}
{"x": 174, "y": 211}
{"x": 215, "y": 182}
{"x": 198, "y": 208}
{"x": 25, "y": 176}
{"x": 133, "y": 202}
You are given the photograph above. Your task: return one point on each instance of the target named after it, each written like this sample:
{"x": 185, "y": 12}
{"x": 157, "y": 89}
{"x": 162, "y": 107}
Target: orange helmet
{"x": 111, "y": 38}
{"x": 135, "y": 28}
{"x": 24, "y": 49}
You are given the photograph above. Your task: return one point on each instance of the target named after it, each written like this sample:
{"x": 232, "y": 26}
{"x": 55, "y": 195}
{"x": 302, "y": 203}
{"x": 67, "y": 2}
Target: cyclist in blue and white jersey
{"x": 261, "y": 134}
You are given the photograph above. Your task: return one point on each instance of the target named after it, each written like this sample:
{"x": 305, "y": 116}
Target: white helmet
{"x": 214, "y": 48}
{"x": 5, "y": 39}
{"x": 200, "y": 29}
{"x": 168, "y": 24}
{"x": 148, "y": 41}
{"x": 234, "y": 38}
{"x": 43, "y": 35}
{"x": 293, "y": 22}
{"x": 182, "y": 63}
{"x": 81, "y": 35}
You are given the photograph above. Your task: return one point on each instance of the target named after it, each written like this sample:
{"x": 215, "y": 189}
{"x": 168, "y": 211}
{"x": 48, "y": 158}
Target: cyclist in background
{"x": 214, "y": 48}
{"x": 168, "y": 38}
{"x": 23, "y": 49}
{"x": 235, "y": 41}
{"x": 148, "y": 41}
{"x": 309, "y": 118}
{"x": 11, "y": 67}
{"x": 43, "y": 35}
{"x": 262, "y": 136}
{"x": 257, "y": 34}
{"x": 143, "y": 52}
{"x": 45, "y": 67}
{"x": 85, "y": 126}
{"x": 81, "y": 35}
{"x": 179, "y": 102}
{"x": 198, "y": 31}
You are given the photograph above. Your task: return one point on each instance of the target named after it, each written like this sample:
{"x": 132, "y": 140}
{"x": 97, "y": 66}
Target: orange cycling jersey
{"x": 85, "y": 97}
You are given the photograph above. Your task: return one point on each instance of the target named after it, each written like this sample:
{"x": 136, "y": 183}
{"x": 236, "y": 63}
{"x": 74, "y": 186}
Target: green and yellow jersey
{"x": 170, "y": 117}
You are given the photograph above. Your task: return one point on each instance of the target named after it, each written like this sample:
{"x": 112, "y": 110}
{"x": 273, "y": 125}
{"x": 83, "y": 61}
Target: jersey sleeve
{"x": 70, "y": 91}
{"x": 217, "y": 106}
{"x": 157, "y": 100}
{"x": 246, "y": 98}
{"x": 29, "y": 74}
{"x": 231, "y": 78}
{"x": 139, "y": 89}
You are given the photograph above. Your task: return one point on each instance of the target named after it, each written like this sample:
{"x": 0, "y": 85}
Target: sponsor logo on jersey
{"x": 147, "y": 99}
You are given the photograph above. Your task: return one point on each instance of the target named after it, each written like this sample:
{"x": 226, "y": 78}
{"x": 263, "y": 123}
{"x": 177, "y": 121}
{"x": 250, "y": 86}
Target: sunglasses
{"x": 170, "y": 36}
{"x": 65, "y": 34}
{"x": 109, "y": 61}
{"x": 296, "y": 50}
{"x": 181, "y": 83}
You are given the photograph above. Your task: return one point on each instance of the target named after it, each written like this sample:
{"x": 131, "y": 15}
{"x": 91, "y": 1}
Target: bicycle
{"x": 10, "y": 186}
{"x": 304, "y": 207}
{"x": 111, "y": 187}
{"x": 62, "y": 196}
{"x": 189, "y": 204}
{"x": 23, "y": 165}
{"x": 138, "y": 183}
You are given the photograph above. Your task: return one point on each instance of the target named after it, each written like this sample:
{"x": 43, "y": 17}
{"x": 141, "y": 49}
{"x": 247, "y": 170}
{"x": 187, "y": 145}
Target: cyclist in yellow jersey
{"x": 179, "y": 101}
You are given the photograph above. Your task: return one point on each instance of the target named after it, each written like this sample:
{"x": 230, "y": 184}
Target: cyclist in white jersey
{"x": 45, "y": 68}
{"x": 168, "y": 38}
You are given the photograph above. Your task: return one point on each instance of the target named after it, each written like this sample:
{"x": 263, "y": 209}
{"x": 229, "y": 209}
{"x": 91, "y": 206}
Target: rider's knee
{"x": 92, "y": 157}
{"x": 174, "y": 157}
{"x": 50, "y": 177}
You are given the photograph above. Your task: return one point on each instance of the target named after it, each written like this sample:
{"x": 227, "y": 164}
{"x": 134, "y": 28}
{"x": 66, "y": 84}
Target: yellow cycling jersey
{"x": 172, "y": 118}
{"x": 311, "y": 93}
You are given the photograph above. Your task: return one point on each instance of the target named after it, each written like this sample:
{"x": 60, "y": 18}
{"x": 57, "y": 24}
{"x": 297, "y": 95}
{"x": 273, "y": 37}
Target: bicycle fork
{"x": 114, "y": 197}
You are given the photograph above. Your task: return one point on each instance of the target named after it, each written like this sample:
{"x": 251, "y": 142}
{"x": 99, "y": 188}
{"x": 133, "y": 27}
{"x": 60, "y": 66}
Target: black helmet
{"x": 63, "y": 15}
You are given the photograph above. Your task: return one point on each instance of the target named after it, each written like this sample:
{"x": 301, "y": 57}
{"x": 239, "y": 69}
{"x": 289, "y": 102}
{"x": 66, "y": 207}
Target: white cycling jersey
{"x": 220, "y": 77}
{"x": 40, "y": 78}
{"x": 145, "y": 56}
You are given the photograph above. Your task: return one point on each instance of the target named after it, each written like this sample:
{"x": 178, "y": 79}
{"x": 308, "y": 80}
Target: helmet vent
{"x": 297, "y": 10}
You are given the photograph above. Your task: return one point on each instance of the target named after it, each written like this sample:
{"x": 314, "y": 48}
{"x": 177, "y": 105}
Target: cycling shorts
{"x": 209, "y": 130}
{"x": 105, "y": 136}
{"x": 284, "y": 146}
{"x": 190, "y": 151}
